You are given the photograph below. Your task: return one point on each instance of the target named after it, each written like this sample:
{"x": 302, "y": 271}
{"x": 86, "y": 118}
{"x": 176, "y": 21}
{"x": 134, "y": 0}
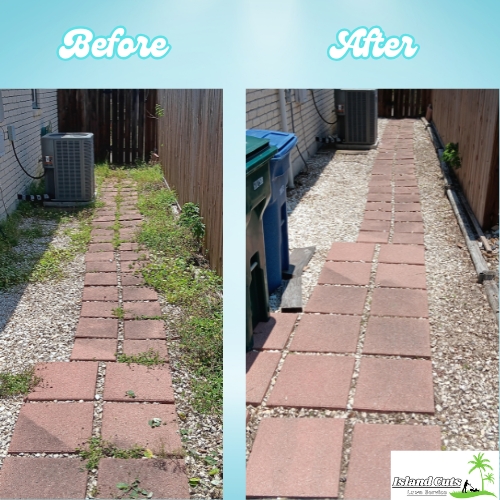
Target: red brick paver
{"x": 92, "y": 349}
{"x": 400, "y": 276}
{"x": 144, "y": 329}
{"x": 260, "y": 368}
{"x": 369, "y": 472}
{"x": 337, "y": 299}
{"x": 400, "y": 254}
{"x": 64, "y": 381}
{"x": 100, "y": 293}
{"x": 274, "y": 333}
{"x": 345, "y": 273}
{"x": 140, "y": 346}
{"x": 305, "y": 381}
{"x": 42, "y": 477}
{"x": 298, "y": 458}
{"x": 97, "y": 328}
{"x": 138, "y": 293}
{"x": 326, "y": 333}
{"x": 52, "y": 427}
{"x": 400, "y": 302}
{"x": 351, "y": 252}
{"x": 99, "y": 309}
{"x": 148, "y": 384}
{"x": 141, "y": 309}
{"x": 126, "y": 425}
{"x": 390, "y": 385}
{"x": 101, "y": 279}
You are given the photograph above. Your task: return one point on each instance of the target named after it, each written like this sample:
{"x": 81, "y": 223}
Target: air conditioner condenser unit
{"x": 68, "y": 160}
{"x": 357, "y": 113}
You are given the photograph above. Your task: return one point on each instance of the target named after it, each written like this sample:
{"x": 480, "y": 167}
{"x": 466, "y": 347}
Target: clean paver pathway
{"x": 117, "y": 316}
{"x": 383, "y": 366}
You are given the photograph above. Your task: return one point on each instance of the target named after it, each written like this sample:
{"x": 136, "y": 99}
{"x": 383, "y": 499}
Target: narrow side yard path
{"x": 93, "y": 399}
{"x": 332, "y": 391}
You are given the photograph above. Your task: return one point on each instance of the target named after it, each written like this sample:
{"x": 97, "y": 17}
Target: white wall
{"x": 28, "y": 122}
{"x": 263, "y": 111}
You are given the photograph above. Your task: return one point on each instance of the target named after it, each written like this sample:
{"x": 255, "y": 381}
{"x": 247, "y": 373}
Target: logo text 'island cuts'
{"x": 364, "y": 43}
{"x": 80, "y": 43}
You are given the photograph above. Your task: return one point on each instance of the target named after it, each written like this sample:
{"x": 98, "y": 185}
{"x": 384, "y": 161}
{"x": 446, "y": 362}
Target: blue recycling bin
{"x": 275, "y": 218}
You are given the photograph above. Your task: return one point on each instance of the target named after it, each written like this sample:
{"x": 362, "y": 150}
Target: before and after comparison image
{"x": 371, "y": 306}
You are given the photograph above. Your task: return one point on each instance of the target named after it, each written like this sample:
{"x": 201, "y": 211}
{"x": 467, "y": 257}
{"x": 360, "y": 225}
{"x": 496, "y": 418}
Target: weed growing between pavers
{"x": 19, "y": 383}
{"x": 133, "y": 490}
{"x": 97, "y": 448}
{"x": 183, "y": 276}
{"x": 147, "y": 358}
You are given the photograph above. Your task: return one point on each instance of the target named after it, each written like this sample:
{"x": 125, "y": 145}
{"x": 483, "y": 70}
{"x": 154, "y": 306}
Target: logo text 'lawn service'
{"x": 364, "y": 44}
{"x": 81, "y": 43}
{"x": 456, "y": 474}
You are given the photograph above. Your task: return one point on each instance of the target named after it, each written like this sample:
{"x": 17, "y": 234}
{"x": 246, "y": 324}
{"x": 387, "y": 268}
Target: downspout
{"x": 284, "y": 128}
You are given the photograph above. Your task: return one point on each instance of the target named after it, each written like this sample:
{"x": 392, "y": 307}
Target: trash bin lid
{"x": 258, "y": 151}
{"x": 284, "y": 141}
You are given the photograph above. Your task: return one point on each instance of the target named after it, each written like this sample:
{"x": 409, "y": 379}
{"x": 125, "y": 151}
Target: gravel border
{"x": 464, "y": 334}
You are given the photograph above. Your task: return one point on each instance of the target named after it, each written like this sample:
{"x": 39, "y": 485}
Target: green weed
{"x": 148, "y": 358}
{"x": 19, "y": 383}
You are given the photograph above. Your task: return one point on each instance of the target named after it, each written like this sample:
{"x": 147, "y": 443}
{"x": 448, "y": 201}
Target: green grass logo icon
{"x": 480, "y": 464}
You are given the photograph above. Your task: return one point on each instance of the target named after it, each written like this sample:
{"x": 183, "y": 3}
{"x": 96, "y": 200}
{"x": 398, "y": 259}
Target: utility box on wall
{"x": 68, "y": 160}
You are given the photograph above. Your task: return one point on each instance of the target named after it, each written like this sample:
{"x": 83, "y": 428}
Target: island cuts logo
{"x": 363, "y": 44}
{"x": 80, "y": 43}
{"x": 457, "y": 474}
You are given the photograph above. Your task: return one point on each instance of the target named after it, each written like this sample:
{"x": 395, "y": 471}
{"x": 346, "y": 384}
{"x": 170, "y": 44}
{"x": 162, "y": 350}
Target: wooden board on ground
{"x": 291, "y": 300}
{"x": 299, "y": 258}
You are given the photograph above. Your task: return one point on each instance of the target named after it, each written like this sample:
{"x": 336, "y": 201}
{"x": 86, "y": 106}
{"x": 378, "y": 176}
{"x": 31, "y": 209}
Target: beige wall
{"x": 263, "y": 111}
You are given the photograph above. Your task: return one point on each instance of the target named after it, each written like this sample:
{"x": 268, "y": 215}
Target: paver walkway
{"x": 88, "y": 395}
{"x": 362, "y": 345}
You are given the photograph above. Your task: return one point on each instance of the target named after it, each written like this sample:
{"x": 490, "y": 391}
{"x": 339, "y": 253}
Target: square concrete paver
{"x": 148, "y": 384}
{"x": 131, "y": 255}
{"x": 42, "y": 477}
{"x": 260, "y": 368}
{"x": 406, "y": 198}
{"x": 407, "y": 207}
{"x": 408, "y": 238}
{"x": 296, "y": 458}
{"x": 397, "y": 337}
{"x": 133, "y": 266}
{"x": 388, "y": 385}
{"x": 381, "y": 197}
{"x": 100, "y": 247}
{"x": 98, "y": 309}
{"x": 141, "y": 309}
{"x": 313, "y": 381}
{"x": 101, "y": 239}
{"x": 326, "y": 333}
{"x": 65, "y": 381}
{"x": 164, "y": 478}
{"x": 100, "y": 267}
{"x": 139, "y": 293}
{"x": 408, "y": 217}
{"x": 132, "y": 280}
{"x": 94, "y": 350}
{"x": 101, "y": 279}
{"x": 369, "y": 472}
{"x": 345, "y": 273}
{"x": 375, "y": 225}
{"x": 129, "y": 246}
{"x": 400, "y": 276}
{"x": 378, "y": 215}
{"x": 139, "y": 346}
{"x": 52, "y": 427}
{"x": 351, "y": 252}
{"x": 97, "y": 328}
{"x": 100, "y": 293}
{"x": 99, "y": 257}
{"x": 144, "y": 329}
{"x": 399, "y": 302}
{"x": 126, "y": 425}
{"x": 337, "y": 300}
{"x": 373, "y": 206}
{"x": 274, "y": 333}
{"x": 373, "y": 237}
{"x": 409, "y": 227}
{"x": 401, "y": 254}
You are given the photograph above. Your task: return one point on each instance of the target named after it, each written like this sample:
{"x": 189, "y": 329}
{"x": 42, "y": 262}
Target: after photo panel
{"x": 372, "y": 284}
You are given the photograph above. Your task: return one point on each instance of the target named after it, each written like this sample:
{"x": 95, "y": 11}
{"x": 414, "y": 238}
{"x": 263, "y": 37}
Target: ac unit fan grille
{"x": 360, "y": 117}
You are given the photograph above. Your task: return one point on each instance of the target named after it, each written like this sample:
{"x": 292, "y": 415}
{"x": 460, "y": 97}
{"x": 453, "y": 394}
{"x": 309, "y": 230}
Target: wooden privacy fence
{"x": 403, "y": 103}
{"x": 123, "y": 121}
{"x": 190, "y": 149}
{"x": 470, "y": 118}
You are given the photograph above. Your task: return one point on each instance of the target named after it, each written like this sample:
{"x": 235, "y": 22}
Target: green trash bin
{"x": 258, "y": 155}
